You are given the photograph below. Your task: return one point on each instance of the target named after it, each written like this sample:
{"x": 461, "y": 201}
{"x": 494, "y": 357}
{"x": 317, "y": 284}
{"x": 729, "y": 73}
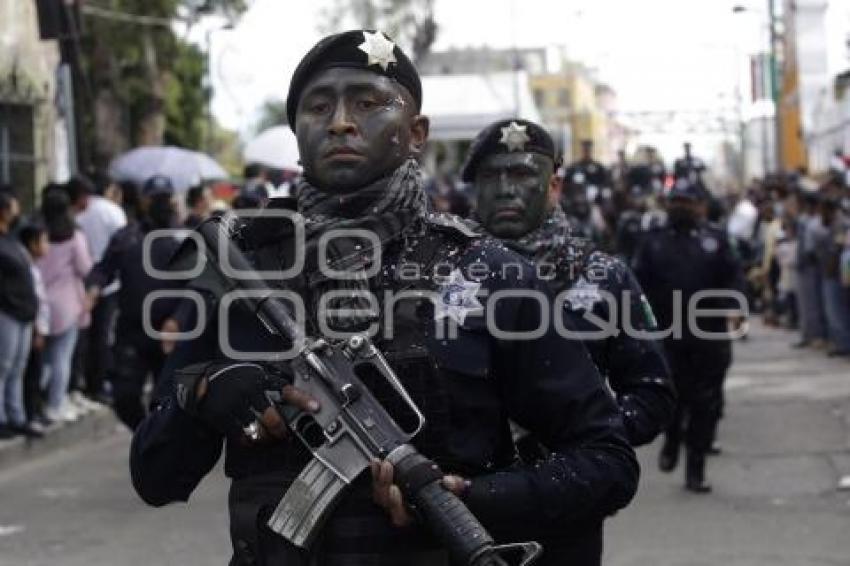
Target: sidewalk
{"x": 786, "y": 445}
{"x": 95, "y": 425}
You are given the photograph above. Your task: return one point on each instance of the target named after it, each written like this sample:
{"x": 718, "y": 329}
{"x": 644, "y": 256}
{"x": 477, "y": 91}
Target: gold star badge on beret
{"x": 378, "y": 48}
{"x": 514, "y": 137}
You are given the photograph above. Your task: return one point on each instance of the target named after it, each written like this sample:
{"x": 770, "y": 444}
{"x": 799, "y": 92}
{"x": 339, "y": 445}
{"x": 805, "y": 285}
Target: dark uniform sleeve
{"x": 642, "y": 263}
{"x": 171, "y": 451}
{"x": 105, "y": 271}
{"x": 636, "y": 368}
{"x": 730, "y": 267}
{"x": 607, "y": 177}
{"x": 551, "y": 388}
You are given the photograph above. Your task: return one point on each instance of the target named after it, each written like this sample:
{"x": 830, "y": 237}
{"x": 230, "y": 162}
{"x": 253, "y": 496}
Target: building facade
{"x": 571, "y": 103}
{"x": 28, "y": 119}
{"x": 817, "y": 35}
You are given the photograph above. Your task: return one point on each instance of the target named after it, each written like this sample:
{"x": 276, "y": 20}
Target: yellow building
{"x": 572, "y": 105}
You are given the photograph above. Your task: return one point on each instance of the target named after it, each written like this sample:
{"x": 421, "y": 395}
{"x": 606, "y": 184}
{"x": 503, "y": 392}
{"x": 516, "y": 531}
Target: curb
{"x": 94, "y": 426}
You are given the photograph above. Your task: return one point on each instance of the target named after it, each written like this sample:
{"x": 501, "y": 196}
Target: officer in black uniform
{"x": 136, "y": 353}
{"x": 587, "y": 184}
{"x": 512, "y": 163}
{"x": 588, "y": 172}
{"x": 688, "y": 257}
{"x": 354, "y": 104}
{"x": 689, "y": 167}
{"x": 620, "y": 170}
{"x": 656, "y": 169}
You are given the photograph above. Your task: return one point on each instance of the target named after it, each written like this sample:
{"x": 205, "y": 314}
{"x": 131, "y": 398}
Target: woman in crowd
{"x": 18, "y": 305}
{"x": 63, "y": 268}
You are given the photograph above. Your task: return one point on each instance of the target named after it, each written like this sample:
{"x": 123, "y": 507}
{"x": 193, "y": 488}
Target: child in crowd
{"x": 786, "y": 256}
{"x": 33, "y": 236}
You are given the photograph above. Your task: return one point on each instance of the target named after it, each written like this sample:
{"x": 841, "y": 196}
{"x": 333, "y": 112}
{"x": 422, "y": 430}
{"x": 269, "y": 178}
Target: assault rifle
{"x": 351, "y": 428}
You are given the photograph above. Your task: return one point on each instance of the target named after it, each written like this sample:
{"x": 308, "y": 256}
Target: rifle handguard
{"x": 467, "y": 541}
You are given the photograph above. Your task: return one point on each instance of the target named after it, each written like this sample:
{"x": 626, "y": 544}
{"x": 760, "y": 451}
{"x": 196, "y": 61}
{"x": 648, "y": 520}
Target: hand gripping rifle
{"x": 352, "y": 428}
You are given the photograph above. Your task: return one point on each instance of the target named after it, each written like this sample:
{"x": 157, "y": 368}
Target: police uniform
{"x": 467, "y": 387}
{"x": 136, "y": 355}
{"x": 634, "y": 368}
{"x": 689, "y": 167}
{"x": 587, "y": 173}
{"x": 688, "y": 261}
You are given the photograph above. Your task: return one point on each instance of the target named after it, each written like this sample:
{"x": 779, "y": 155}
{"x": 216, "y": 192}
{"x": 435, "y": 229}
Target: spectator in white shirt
{"x": 99, "y": 218}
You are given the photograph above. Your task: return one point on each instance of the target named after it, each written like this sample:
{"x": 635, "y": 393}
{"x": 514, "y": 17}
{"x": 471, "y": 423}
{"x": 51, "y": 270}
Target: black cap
{"x": 684, "y": 188}
{"x": 351, "y": 49}
{"x": 157, "y": 185}
{"x": 507, "y": 136}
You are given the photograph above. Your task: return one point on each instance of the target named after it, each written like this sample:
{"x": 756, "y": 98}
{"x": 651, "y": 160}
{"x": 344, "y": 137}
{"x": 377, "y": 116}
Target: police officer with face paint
{"x": 512, "y": 165}
{"x": 354, "y": 104}
{"x": 676, "y": 264}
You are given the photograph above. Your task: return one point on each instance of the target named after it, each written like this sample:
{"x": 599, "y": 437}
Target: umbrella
{"x": 275, "y": 147}
{"x": 185, "y": 168}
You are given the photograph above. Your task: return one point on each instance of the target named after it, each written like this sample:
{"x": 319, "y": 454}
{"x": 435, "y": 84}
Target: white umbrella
{"x": 275, "y": 147}
{"x": 184, "y": 167}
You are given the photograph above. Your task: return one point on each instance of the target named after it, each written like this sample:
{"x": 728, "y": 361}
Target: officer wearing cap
{"x": 689, "y": 166}
{"x": 354, "y": 104}
{"x": 512, "y": 165}
{"x": 587, "y": 184}
{"x": 136, "y": 355}
{"x": 517, "y": 201}
{"x": 675, "y": 264}
{"x": 586, "y": 171}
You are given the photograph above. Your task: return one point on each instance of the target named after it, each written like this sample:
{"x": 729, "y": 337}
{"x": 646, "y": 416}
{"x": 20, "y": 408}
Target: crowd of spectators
{"x": 72, "y": 285}
{"x": 794, "y": 236}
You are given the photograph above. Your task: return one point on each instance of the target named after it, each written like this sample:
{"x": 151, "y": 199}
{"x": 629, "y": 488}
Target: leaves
{"x": 273, "y": 113}
{"x": 147, "y": 74}
{"x": 410, "y": 23}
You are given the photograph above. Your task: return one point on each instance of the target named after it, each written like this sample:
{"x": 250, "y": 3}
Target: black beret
{"x": 506, "y": 136}
{"x": 356, "y": 49}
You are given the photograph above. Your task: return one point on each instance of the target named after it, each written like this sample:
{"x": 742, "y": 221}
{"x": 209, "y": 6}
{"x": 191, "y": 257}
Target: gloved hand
{"x": 237, "y": 398}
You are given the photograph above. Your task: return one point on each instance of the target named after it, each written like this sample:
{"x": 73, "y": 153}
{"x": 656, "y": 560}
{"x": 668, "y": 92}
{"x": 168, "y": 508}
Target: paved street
{"x": 785, "y": 439}
{"x": 785, "y": 442}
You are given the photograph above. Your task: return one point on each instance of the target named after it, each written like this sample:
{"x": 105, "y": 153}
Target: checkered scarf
{"x": 552, "y": 243}
{"x": 385, "y": 208}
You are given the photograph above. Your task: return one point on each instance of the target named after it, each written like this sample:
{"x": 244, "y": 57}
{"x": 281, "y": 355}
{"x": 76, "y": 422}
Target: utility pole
{"x": 774, "y": 79}
{"x": 209, "y": 140}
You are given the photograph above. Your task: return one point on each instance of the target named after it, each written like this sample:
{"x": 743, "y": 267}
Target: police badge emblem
{"x": 378, "y": 48}
{"x": 583, "y": 295}
{"x": 514, "y": 137}
{"x": 456, "y": 298}
{"x": 710, "y": 244}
